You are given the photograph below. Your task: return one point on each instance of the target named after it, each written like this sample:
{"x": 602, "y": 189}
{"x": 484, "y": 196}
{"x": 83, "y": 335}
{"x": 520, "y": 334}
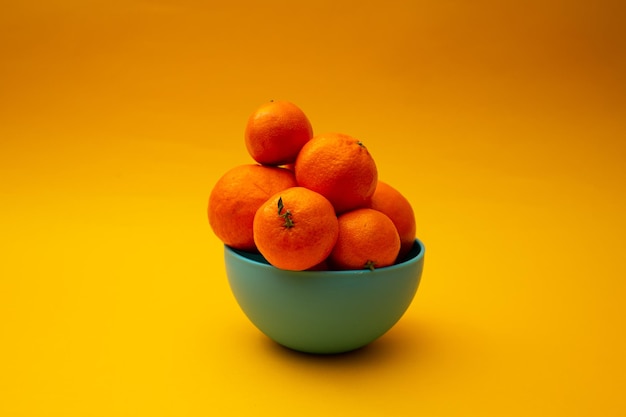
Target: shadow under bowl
{"x": 323, "y": 311}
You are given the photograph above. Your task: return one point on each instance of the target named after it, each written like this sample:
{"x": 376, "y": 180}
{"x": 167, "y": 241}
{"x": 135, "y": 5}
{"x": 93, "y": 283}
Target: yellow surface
{"x": 503, "y": 124}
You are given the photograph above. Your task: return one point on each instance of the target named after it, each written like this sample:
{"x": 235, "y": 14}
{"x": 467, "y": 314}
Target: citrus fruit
{"x": 236, "y": 197}
{"x": 295, "y": 229}
{"x": 367, "y": 239}
{"x": 276, "y": 131}
{"x": 391, "y": 202}
{"x": 340, "y": 168}
{"x": 322, "y": 266}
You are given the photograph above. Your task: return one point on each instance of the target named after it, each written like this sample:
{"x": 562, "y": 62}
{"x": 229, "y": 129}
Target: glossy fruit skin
{"x": 367, "y": 239}
{"x": 236, "y": 197}
{"x": 339, "y": 167}
{"x": 397, "y": 207}
{"x": 275, "y": 133}
{"x": 295, "y": 229}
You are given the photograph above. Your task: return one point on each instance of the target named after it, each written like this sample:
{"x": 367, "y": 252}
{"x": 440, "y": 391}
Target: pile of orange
{"x": 309, "y": 202}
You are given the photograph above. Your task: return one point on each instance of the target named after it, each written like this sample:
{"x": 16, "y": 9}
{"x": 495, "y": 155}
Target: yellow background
{"x": 503, "y": 123}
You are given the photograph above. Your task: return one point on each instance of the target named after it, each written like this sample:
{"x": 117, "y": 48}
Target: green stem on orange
{"x": 286, "y": 215}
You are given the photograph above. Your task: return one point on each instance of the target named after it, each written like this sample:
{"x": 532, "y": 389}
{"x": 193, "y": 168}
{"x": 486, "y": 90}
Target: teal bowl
{"x": 323, "y": 311}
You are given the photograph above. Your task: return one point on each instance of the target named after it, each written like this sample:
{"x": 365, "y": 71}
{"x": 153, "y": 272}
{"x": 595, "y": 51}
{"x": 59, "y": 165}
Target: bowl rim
{"x": 411, "y": 259}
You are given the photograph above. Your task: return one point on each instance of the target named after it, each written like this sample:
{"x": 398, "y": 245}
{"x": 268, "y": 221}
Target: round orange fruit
{"x": 340, "y": 168}
{"x": 236, "y": 197}
{"x": 276, "y": 131}
{"x": 391, "y": 202}
{"x": 367, "y": 239}
{"x": 295, "y": 229}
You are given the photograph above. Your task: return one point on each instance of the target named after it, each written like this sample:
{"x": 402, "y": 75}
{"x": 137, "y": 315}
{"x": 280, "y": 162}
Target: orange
{"x": 391, "y": 202}
{"x": 340, "y": 168}
{"x": 295, "y": 229}
{"x": 236, "y": 197}
{"x": 322, "y": 266}
{"x": 276, "y": 131}
{"x": 367, "y": 239}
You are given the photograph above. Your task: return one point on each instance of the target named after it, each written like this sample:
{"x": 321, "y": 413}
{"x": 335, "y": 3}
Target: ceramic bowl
{"x": 323, "y": 311}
